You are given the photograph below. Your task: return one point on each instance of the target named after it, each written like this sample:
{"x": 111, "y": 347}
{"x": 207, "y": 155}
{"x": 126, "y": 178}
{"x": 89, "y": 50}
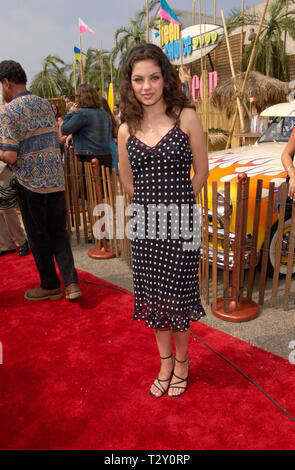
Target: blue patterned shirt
{"x": 28, "y": 127}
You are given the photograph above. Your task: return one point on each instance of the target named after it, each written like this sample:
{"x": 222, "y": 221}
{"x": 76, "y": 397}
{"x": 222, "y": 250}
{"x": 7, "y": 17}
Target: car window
{"x": 279, "y": 130}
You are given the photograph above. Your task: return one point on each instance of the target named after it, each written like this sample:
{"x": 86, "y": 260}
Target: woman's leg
{"x": 181, "y": 341}
{"x": 164, "y": 343}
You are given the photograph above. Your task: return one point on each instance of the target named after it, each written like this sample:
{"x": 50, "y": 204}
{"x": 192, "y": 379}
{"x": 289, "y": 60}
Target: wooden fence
{"x": 239, "y": 280}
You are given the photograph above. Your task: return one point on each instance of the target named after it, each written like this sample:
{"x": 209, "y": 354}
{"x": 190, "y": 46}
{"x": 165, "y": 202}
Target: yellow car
{"x": 259, "y": 161}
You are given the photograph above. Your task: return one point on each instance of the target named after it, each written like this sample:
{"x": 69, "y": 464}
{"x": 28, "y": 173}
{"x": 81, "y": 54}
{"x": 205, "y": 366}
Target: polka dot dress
{"x": 165, "y": 273}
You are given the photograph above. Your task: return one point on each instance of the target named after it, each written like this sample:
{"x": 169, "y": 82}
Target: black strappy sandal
{"x": 160, "y": 386}
{"x": 181, "y": 380}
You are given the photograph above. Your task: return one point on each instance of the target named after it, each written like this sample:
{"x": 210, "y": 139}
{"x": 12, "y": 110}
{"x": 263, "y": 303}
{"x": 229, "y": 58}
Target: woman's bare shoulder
{"x": 189, "y": 120}
{"x": 123, "y": 131}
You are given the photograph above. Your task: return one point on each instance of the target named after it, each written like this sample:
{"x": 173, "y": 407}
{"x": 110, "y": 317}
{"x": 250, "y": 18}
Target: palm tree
{"x": 52, "y": 81}
{"x": 270, "y": 55}
{"x": 135, "y": 33}
{"x": 126, "y": 37}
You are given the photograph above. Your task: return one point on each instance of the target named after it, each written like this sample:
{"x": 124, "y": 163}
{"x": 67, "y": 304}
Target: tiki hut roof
{"x": 266, "y": 90}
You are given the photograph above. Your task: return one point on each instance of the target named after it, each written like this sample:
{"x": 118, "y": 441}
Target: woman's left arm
{"x": 192, "y": 125}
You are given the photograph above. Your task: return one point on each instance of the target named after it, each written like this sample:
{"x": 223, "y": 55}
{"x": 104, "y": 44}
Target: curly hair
{"x": 87, "y": 97}
{"x": 13, "y": 71}
{"x": 174, "y": 98}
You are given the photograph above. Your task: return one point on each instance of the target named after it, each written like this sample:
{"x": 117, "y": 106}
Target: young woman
{"x": 90, "y": 126}
{"x": 159, "y": 140}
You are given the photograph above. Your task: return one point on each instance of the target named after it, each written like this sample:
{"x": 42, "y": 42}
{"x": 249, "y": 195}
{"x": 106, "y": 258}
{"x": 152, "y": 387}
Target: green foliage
{"x": 270, "y": 55}
{"x": 52, "y": 81}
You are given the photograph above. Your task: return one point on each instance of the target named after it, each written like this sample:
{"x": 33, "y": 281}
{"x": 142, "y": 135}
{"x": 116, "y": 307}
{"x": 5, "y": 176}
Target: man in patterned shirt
{"x": 29, "y": 142}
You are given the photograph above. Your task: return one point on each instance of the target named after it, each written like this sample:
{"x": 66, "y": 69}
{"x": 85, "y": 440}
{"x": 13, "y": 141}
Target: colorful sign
{"x": 197, "y": 88}
{"x": 192, "y": 42}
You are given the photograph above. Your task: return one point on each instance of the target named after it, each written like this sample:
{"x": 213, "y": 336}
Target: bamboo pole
{"x": 226, "y": 246}
{"x": 75, "y": 76}
{"x": 242, "y": 31}
{"x": 205, "y": 30}
{"x": 147, "y": 22}
{"x": 214, "y": 23}
{"x": 264, "y": 260}
{"x": 102, "y": 71}
{"x": 111, "y": 201}
{"x": 278, "y": 245}
{"x": 81, "y": 60}
{"x": 214, "y": 245}
{"x": 200, "y": 23}
{"x": 233, "y": 71}
{"x": 194, "y": 13}
{"x": 248, "y": 70}
{"x": 290, "y": 264}
{"x": 285, "y": 33}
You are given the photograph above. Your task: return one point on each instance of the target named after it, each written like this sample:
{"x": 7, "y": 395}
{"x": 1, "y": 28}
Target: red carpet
{"x": 77, "y": 376}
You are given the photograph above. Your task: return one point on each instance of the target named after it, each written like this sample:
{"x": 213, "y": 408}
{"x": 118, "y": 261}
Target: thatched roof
{"x": 266, "y": 90}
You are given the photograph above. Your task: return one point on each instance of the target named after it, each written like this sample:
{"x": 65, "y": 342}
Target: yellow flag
{"x": 111, "y": 97}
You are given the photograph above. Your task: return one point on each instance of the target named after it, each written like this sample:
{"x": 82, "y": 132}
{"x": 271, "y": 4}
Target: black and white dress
{"x": 165, "y": 255}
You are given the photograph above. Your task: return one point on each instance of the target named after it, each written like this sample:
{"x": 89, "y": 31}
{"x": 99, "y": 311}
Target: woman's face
{"x": 54, "y": 108}
{"x": 147, "y": 82}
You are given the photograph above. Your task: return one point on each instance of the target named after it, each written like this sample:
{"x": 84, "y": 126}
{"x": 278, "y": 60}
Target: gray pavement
{"x": 272, "y": 330}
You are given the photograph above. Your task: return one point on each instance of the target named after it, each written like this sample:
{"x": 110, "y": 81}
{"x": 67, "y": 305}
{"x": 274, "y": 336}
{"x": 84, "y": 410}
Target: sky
{"x": 32, "y": 29}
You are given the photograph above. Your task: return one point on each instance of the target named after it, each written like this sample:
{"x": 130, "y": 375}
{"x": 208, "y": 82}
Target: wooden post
{"x": 204, "y": 32}
{"x": 226, "y": 245}
{"x": 75, "y": 76}
{"x": 200, "y": 23}
{"x": 233, "y": 72}
{"x": 214, "y": 245}
{"x": 264, "y": 260}
{"x": 81, "y": 60}
{"x": 285, "y": 33}
{"x": 253, "y": 254}
{"x": 248, "y": 70}
{"x": 101, "y": 71}
{"x": 205, "y": 89}
{"x": 214, "y": 23}
{"x": 290, "y": 264}
{"x": 278, "y": 245}
{"x": 242, "y": 32}
{"x": 147, "y": 22}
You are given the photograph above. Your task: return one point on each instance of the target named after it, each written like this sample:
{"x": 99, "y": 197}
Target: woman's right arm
{"x": 287, "y": 161}
{"x": 125, "y": 171}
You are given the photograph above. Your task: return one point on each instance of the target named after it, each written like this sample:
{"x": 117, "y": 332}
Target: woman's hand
{"x": 68, "y": 140}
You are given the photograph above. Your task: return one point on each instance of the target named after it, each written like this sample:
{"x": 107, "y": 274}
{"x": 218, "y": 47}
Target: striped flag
{"x": 166, "y": 13}
{"x": 84, "y": 28}
{"x": 77, "y": 53}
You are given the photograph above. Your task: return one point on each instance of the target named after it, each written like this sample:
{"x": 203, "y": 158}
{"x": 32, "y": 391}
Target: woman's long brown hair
{"x": 87, "y": 97}
{"x": 174, "y": 98}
